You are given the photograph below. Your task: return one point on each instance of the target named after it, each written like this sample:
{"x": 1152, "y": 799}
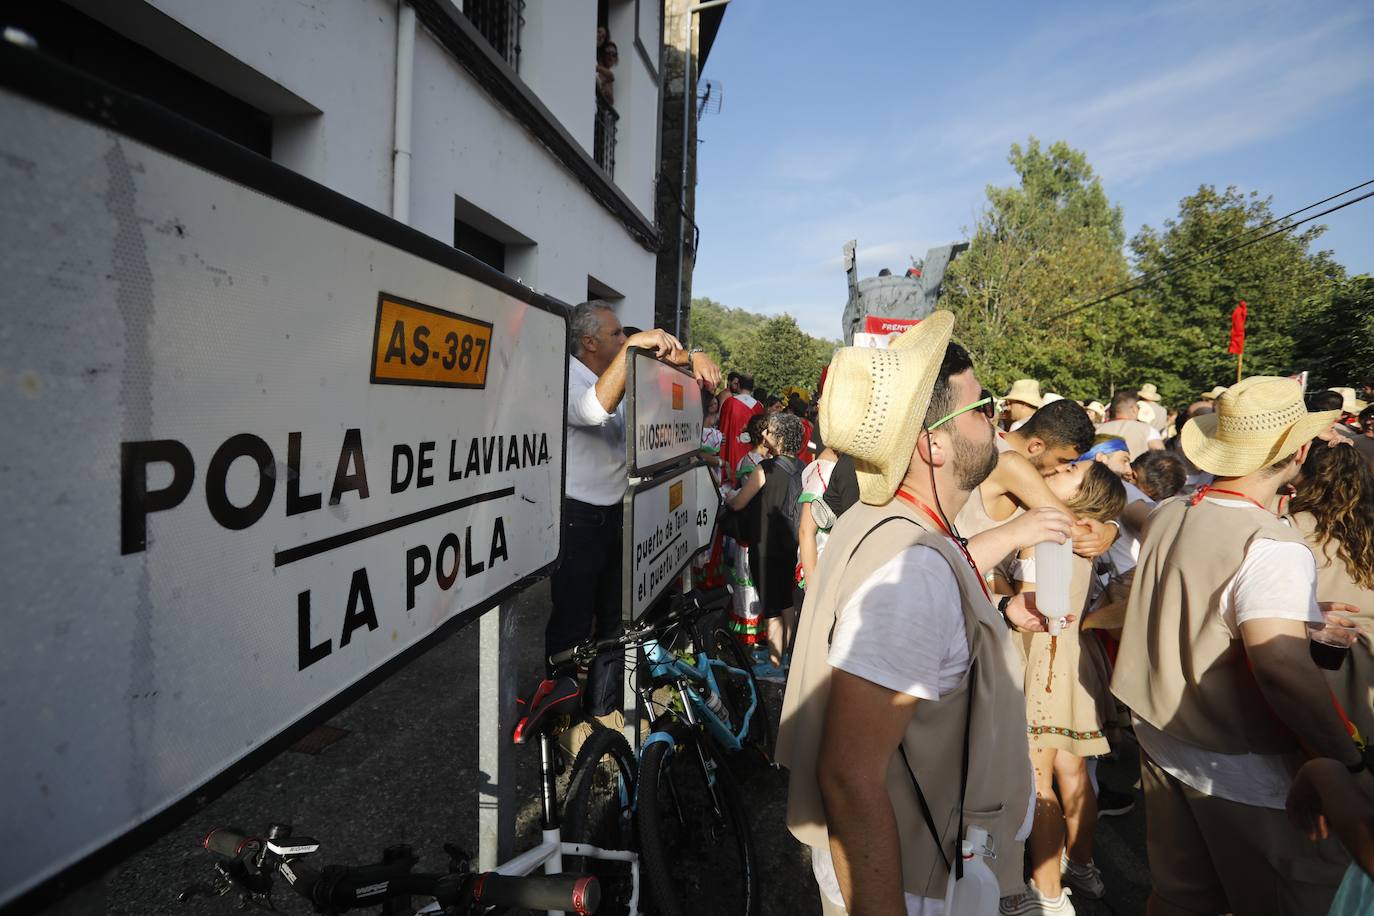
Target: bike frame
{"x": 551, "y": 850}
{"x": 664, "y": 664}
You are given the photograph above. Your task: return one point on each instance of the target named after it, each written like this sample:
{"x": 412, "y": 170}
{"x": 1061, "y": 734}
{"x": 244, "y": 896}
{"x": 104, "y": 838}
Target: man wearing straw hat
{"x": 901, "y": 658}
{"x": 1149, "y": 401}
{"x": 1023, "y": 399}
{"x": 1214, "y": 663}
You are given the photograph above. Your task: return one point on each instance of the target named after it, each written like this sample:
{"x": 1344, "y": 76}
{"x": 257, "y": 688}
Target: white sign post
{"x": 261, "y": 442}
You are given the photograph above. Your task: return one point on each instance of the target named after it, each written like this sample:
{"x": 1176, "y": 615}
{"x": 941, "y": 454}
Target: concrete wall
{"x": 326, "y": 72}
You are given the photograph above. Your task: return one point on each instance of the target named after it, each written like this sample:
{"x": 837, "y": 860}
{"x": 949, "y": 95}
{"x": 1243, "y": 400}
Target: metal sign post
{"x": 264, "y": 443}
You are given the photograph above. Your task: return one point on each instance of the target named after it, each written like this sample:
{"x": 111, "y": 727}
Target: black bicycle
{"x": 251, "y": 863}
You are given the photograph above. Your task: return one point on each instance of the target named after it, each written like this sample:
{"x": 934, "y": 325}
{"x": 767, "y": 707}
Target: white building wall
{"x": 339, "y": 56}
{"x": 558, "y": 61}
{"x": 636, "y": 100}
{"x": 490, "y": 161}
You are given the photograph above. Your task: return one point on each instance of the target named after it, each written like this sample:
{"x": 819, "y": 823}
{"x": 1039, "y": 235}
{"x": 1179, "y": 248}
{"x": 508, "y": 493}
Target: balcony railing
{"x": 604, "y": 142}
{"x": 500, "y": 22}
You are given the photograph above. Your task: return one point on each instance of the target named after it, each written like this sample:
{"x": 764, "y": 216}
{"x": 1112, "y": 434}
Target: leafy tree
{"x": 1038, "y": 248}
{"x": 775, "y": 351}
{"x": 1333, "y": 336}
{"x": 1284, "y": 283}
{"x": 780, "y": 355}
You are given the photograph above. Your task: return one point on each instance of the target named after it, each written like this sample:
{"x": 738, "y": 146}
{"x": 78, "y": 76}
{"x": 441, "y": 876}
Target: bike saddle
{"x": 553, "y": 698}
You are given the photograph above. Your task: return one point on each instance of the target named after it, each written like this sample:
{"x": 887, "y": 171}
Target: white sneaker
{"x": 1084, "y": 879}
{"x": 1033, "y": 903}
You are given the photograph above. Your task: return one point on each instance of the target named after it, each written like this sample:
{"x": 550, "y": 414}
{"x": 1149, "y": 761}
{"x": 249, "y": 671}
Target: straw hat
{"x": 1097, "y": 407}
{"x": 1214, "y": 393}
{"x": 1148, "y": 392}
{"x": 1027, "y": 391}
{"x": 1050, "y": 397}
{"x": 1259, "y": 421}
{"x": 876, "y": 400}
{"x": 1349, "y": 403}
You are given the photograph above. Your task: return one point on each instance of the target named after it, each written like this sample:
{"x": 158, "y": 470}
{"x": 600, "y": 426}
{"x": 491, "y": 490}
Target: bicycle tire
{"x": 689, "y": 863}
{"x": 597, "y": 812}
{"x": 735, "y": 691}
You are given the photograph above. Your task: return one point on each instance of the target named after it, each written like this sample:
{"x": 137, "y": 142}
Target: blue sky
{"x": 884, "y": 120}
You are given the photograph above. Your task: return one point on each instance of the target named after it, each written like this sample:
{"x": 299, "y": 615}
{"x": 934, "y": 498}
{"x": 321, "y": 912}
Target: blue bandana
{"x": 1104, "y": 448}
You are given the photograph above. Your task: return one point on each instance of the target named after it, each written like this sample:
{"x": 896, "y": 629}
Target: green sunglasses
{"x": 983, "y": 405}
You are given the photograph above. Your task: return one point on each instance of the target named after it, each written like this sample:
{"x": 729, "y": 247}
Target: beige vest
{"x": 1179, "y": 668}
{"x": 1353, "y": 684}
{"x": 1134, "y": 433}
{"x": 999, "y": 783}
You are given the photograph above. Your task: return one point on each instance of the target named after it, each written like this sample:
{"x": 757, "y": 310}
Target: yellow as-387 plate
{"x": 416, "y": 344}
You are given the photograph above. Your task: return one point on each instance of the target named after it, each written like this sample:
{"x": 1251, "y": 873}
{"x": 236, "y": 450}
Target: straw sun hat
{"x": 1027, "y": 391}
{"x": 1149, "y": 392}
{"x": 1214, "y": 393}
{"x": 1259, "y": 421}
{"x": 876, "y": 400}
{"x": 1349, "y": 403}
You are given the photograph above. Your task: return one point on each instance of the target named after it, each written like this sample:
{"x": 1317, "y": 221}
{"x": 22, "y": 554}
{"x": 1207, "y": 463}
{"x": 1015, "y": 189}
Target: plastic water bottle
{"x": 714, "y": 704}
{"x": 1053, "y": 569}
{"x": 977, "y": 894}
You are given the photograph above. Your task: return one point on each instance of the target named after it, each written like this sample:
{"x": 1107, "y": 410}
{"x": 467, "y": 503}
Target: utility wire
{"x": 1226, "y": 247}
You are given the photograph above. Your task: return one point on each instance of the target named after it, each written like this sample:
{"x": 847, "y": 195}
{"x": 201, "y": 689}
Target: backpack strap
{"x": 958, "y": 864}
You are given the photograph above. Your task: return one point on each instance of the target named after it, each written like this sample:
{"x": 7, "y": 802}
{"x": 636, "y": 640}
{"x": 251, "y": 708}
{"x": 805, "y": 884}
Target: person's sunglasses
{"x": 985, "y": 405}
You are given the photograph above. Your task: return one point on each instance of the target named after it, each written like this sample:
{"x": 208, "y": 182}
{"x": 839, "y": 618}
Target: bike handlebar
{"x": 339, "y": 889}
{"x": 694, "y": 604}
{"x": 249, "y": 863}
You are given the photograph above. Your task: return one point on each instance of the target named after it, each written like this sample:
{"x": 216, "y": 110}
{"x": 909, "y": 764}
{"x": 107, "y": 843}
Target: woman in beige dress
{"x": 1334, "y": 510}
{"x": 1064, "y": 699}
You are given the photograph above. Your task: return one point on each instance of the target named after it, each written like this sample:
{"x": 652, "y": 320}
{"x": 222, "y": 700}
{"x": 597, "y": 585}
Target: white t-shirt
{"x": 903, "y": 629}
{"x": 596, "y": 442}
{"x": 1276, "y": 580}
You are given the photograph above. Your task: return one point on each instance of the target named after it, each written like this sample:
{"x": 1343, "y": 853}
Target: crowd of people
{"x": 881, "y": 540}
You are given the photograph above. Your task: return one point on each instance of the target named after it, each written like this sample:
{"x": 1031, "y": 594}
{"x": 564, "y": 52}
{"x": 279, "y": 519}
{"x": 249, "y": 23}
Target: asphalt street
{"x": 405, "y": 771}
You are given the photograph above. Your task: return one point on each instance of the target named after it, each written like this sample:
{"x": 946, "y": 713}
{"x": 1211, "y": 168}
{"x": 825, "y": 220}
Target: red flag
{"x": 1237, "y": 329}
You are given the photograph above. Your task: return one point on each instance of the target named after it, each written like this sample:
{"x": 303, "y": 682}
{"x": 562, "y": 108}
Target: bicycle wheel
{"x": 739, "y": 690}
{"x": 598, "y": 810}
{"x": 696, "y": 851}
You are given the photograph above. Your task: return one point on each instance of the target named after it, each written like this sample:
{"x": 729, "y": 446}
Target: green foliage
{"x": 1285, "y": 285}
{"x": 1334, "y": 336}
{"x": 1037, "y": 249}
{"x": 773, "y": 350}
{"x": 1054, "y": 241}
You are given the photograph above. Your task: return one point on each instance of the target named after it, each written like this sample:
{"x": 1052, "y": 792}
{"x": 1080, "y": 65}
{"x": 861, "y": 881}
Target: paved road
{"x": 406, "y": 772}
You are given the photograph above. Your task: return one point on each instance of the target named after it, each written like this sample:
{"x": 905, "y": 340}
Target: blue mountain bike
{"x": 696, "y": 849}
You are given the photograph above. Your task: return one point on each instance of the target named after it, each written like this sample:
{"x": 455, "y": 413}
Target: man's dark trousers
{"x": 586, "y": 597}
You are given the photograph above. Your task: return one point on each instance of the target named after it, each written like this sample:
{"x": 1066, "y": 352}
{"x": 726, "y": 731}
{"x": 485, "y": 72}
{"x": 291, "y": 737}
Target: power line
{"x": 1227, "y": 247}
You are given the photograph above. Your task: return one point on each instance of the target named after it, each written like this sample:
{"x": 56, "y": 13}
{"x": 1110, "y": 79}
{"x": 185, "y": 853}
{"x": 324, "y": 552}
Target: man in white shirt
{"x": 1214, "y": 664}
{"x": 1125, "y": 423}
{"x": 586, "y": 587}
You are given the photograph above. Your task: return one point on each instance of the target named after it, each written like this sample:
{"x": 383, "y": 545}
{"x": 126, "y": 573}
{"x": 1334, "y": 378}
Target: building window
{"x": 468, "y": 238}
{"x": 604, "y": 141}
{"x": 82, "y": 42}
{"x": 500, "y": 22}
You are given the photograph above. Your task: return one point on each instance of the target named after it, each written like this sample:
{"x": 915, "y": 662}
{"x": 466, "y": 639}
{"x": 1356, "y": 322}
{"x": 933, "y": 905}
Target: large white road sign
{"x": 259, "y": 443}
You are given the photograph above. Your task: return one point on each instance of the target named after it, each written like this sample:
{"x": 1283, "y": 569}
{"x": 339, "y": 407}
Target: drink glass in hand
{"x": 1331, "y": 642}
